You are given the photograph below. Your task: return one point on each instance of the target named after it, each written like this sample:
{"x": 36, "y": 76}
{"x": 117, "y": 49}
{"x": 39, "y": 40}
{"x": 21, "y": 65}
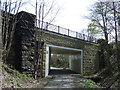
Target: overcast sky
{"x": 72, "y": 12}
{"x": 71, "y": 15}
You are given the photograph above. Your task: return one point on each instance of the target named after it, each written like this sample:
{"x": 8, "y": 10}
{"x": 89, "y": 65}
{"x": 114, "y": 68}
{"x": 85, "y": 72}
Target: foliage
{"x": 44, "y": 10}
{"x": 109, "y": 13}
{"x": 87, "y": 83}
{"x": 60, "y": 61}
{"x": 104, "y": 54}
{"x": 104, "y": 16}
{"x": 113, "y": 56}
{"x": 14, "y": 71}
{"x": 13, "y": 78}
{"x": 113, "y": 47}
{"x": 93, "y": 29}
{"x": 100, "y": 41}
{"x": 103, "y": 45}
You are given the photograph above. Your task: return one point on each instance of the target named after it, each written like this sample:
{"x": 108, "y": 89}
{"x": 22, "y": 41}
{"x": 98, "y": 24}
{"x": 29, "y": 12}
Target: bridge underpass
{"x": 22, "y": 54}
{"x": 74, "y": 58}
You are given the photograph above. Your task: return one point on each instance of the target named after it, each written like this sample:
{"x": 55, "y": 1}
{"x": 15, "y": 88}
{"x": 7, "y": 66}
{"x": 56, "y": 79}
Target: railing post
{"x": 46, "y": 25}
{"x": 76, "y": 34}
{"x": 95, "y": 40}
{"x": 83, "y": 36}
{"x": 68, "y": 32}
{"x": 58, "y": 29}
{"x": 88, "y": 38}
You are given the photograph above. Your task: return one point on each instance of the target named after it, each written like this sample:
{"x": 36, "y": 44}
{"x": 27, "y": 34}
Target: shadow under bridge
{"x": 63, "y": 60}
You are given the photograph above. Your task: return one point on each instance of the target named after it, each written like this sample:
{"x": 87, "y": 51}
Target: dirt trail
{"x": 65, "y": 81}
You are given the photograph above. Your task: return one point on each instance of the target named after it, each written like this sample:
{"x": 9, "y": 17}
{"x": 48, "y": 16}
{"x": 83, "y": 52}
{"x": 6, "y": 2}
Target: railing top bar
{"x": 63, "y": 28}
{"x": 85, "y": 37}
{"x": 47, "y": 23}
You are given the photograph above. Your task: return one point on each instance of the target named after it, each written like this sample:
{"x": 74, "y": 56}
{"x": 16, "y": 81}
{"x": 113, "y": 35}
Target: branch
{"x": 54, "y": 16}
{"x": 49, "y": 9}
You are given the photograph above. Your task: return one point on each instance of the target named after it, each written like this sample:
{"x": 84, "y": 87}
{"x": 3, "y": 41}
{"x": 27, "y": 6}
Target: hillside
{"x": 14, "y": 79}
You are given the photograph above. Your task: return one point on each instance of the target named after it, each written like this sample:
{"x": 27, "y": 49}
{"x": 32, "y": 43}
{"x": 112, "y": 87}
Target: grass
{"x": 13, "y": 78}
{"x": 87, "y": 83}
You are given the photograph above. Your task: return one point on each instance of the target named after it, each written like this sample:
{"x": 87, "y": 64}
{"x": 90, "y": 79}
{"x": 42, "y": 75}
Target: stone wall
{"x": 25, "y": 44}
{"x": 22, "y": 52}
{"x": 90, "y": 56}
{"x": 90, "y": 59}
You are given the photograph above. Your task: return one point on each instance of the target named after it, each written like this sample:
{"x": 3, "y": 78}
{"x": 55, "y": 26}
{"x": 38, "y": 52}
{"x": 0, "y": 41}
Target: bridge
{"x": 63, "y": 31}
{"x": 52, "y": 39}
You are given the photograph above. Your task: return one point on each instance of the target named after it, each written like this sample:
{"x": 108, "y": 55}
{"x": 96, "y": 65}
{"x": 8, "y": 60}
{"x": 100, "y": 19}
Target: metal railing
{"x": 64, "y": 31}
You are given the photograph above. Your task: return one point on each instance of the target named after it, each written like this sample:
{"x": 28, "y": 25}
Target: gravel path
{"x": 65, "y": 81}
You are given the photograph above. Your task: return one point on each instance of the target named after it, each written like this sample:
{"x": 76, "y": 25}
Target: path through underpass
{"x": 65, "y": 81}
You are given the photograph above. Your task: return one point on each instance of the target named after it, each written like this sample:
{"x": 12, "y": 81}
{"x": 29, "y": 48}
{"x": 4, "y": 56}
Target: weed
{"x": 87, "y": 83}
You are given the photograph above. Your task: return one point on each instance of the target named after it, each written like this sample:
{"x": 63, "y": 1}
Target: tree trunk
{"x": 116, "y": 42}
{"x": 107, "y": 59}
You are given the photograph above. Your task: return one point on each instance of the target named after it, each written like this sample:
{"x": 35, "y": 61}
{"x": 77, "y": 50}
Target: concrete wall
{"x": 75, "y": 63}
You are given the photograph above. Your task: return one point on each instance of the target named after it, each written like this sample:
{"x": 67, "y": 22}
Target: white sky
{"x": 71, "y": 15}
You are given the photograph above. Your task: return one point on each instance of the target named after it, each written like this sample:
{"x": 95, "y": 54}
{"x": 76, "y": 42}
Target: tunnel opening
{"x": 63, "y": 60}
{"x": 60, "y": 64}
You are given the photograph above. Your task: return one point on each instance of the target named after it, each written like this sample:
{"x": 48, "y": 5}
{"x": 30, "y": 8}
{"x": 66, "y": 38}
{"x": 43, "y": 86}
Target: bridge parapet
{"x": 64, "y": 31}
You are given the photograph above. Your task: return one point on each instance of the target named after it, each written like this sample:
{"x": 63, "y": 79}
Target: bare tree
{"x": 105, "y": 16}
{"x": 42, "y": 13}
{"x": 100, "y": 15}
{"x": 116, "y": 20}
{"x": 8, "y": 23}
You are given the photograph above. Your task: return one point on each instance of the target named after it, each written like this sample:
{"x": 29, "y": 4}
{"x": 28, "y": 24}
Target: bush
{"x": 101, "y": 41}
{"x": 87, "y": 83}
{"x": 60, "y": 61}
